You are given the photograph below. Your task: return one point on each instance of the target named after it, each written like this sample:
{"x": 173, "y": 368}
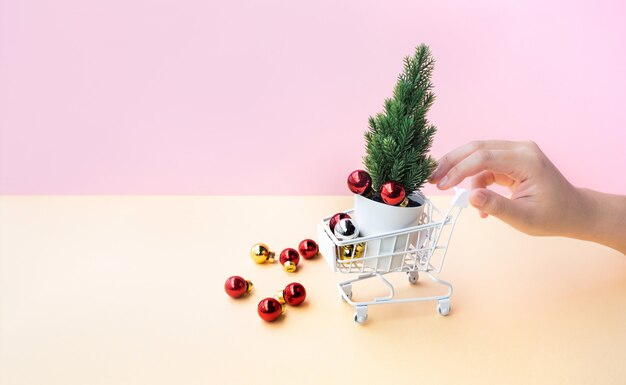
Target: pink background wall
{"x": 272, "y": 97}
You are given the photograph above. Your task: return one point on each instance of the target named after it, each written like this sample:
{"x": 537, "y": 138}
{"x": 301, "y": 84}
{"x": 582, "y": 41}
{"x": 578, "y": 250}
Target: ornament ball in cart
{"x": 393, "y": 226}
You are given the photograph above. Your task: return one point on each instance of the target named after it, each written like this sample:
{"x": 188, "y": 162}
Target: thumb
{"x": 491, "y": 203}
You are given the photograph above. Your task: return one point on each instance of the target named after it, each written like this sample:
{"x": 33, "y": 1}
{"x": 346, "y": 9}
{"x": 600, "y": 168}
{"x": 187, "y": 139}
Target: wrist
{"x": 591, "y": 210}
{"x": 604, "y": 219}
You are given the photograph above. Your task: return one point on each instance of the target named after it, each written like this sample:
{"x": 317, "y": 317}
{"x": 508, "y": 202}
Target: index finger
{"x": 499, "y": 161}
{"x": 452, "y": 158}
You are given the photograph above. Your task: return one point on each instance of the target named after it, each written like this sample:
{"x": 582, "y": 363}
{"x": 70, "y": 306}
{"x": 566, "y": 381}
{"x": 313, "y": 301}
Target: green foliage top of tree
{"x": 399, "y": 138}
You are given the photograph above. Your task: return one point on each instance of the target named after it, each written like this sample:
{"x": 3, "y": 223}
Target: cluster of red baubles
{"x": 289, "y": 257}
{"x": 269, "y": 309}
{"x": 307, "y": 249}
{"x": 392, "y": 193}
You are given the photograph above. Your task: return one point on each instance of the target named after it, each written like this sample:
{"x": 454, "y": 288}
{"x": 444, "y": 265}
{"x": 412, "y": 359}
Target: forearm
{"x": 606, "y": 219}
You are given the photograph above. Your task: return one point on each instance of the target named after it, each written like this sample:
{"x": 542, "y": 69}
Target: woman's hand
{"x": 542, "y": 201}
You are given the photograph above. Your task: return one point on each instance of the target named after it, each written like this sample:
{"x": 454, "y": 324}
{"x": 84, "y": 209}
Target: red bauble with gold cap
{"x": 308, "y": 248}
{"x": 392, "y": 193}
{"x": 360, "y": 182}
{"x": 294, "y": 294}
{"x": 236, "y": 286}
{"x": 289, "y": 258}
{"x": 269, "y": 309}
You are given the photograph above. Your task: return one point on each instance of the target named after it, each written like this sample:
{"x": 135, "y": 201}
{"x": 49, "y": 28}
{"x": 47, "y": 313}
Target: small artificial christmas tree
{"x": 400, "y": 137}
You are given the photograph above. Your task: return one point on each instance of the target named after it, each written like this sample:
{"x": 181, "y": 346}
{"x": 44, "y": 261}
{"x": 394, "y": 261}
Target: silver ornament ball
{"x": 346, "y": 229}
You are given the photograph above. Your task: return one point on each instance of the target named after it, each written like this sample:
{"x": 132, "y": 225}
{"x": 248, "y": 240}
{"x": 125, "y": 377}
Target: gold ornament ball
{"x": 346, "y": 251}
{"x": 359, "y": 250}
{"x": 260, "y": 253}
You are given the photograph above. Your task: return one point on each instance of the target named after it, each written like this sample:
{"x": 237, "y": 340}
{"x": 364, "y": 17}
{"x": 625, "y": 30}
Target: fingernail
{"x": 442, "y": 183}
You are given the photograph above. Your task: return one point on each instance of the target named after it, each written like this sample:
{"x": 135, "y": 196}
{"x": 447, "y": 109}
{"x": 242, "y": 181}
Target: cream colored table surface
{"x": 129, "y": 290}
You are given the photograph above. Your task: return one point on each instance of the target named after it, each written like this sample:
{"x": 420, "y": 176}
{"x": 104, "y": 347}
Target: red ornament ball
{"x": 308, "y": 248}
{"x": 269, "y": 309}
{"x": 336, "y": 218}
{"x": 359, "y": 182}
{"x": 235, "y": 286}
{"x": 392, "y": 193}
{"x": 294, "y": 294}
{"x": 289, "y": 255}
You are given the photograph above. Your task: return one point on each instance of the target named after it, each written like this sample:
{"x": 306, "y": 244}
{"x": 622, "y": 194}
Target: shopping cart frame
{"x": 351, "y": 256}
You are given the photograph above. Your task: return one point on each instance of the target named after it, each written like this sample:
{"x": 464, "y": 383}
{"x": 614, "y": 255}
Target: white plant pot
{"x": 374, "y": 218}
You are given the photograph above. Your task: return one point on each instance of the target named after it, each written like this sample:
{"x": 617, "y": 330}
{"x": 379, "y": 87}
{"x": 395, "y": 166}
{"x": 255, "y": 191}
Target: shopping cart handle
{"x": 461, "y": 197}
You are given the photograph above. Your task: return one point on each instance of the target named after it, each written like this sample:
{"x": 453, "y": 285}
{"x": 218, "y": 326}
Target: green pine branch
{"x": 399, "y": 138}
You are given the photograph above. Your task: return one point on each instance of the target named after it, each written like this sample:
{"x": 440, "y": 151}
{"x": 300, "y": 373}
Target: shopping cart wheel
{"x": 360, "y": 314}
{"x": 443, "y": 306}
{"x": 413, "y": 277}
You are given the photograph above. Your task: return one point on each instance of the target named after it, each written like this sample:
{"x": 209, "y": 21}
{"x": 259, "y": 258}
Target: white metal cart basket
{"x": 419, "y": 248}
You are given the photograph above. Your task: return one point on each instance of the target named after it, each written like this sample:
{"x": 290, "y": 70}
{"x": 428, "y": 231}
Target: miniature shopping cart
{"x": 421, "y": 248}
